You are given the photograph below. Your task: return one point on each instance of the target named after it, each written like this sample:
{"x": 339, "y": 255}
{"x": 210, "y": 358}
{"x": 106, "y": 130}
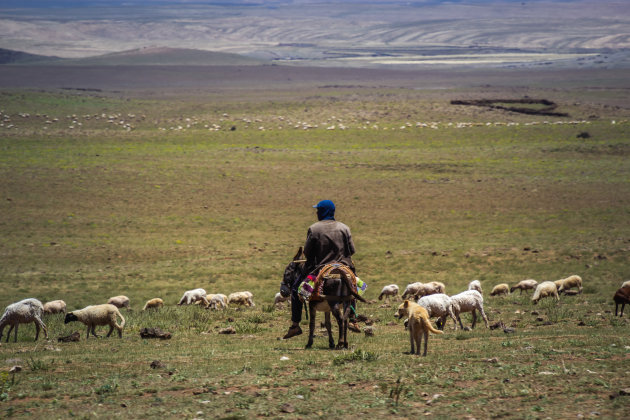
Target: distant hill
{"x": 19, "y": 57}
{"x": 163, "y": 56}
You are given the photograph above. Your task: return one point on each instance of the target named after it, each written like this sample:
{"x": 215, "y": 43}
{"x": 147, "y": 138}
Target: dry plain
{"x": 149, "y": 181}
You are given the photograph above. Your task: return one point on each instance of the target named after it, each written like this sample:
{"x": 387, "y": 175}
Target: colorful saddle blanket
{"x": 312, "y": 288}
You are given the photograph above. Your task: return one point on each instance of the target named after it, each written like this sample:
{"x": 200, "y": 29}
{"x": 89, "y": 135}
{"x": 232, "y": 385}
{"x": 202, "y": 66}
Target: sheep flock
{"x": 432, "y": 296}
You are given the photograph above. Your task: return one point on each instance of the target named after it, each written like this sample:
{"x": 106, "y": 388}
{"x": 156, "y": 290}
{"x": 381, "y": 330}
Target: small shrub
{"x": 268, "y": 309}
{"x": 106, "y": 389}
{"x": 395, "y": 391}
{"x": 35, "y": 365}
{"x": 356, "y": 355}
{"x": 245, "y": 327}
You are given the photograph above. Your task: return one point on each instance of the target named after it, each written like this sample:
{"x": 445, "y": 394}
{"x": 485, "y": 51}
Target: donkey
{"x": 338, "y": 294}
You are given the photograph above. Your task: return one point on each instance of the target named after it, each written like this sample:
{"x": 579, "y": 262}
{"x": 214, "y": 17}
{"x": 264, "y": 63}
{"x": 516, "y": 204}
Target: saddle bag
{"x": 312, "y": 287}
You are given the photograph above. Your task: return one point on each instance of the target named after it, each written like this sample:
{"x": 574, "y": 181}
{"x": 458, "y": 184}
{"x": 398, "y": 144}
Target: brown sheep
{"x": 621, "y": 297}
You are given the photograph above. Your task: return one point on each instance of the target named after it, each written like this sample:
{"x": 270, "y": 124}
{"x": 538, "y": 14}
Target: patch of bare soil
{"x": 544, "y": 107}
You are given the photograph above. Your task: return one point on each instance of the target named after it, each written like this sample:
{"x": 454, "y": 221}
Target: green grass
{"x": 97, "y": 210}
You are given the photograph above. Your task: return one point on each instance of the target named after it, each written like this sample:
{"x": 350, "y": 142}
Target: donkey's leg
{"x": 346, "y": 321}
{"x": 336, "y": 311}
{"x": 328, "y": 325}
{"x": 311, "y": 325}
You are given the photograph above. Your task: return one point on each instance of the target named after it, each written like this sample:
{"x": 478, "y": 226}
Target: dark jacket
{"x": 328, "y": 241}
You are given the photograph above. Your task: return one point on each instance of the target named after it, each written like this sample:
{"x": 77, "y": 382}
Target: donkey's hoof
{"x": 331, "y": 345}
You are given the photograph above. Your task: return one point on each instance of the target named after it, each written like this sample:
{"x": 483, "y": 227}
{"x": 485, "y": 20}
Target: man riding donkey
{"x": 327, "y": 241}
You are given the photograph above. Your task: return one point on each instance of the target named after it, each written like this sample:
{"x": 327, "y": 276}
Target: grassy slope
{"x": 95, "y": 211}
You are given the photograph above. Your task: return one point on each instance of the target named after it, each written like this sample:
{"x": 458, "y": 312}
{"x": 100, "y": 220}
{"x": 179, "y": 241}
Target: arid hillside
{"x": 349, "y": 33}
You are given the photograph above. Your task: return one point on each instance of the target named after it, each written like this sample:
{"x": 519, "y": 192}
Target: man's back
{"x": 328, "y": 241}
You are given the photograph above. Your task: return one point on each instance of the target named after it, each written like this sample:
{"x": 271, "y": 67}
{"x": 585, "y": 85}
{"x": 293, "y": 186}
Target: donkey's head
{"x": 292, "y": 272}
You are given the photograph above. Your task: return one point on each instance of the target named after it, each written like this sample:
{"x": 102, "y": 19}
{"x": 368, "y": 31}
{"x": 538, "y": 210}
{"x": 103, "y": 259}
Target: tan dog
{"x": 419, "y": 324}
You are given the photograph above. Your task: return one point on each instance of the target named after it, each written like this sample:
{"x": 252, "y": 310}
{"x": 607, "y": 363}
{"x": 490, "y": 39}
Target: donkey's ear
{"x": 300, "y": 254}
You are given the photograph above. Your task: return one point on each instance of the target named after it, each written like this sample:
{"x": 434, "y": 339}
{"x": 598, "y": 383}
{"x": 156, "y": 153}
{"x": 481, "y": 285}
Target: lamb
{"x": 545, "y": 289}
{"x": 529, "y": 284}
{"x": 500, "y": 289}
{"x": 468, "y": 301}
{"x": 568, "y": 283}
{"x": 119, "y": 301}
{"x": 438, "y": 305}
{"x": 94, "y": 315}
{"x": 430, "y": 288}
{"x": 411, "y": 289}
{"x": 241, "y": 298}
{"x": 55, "y": 307}
{"x": 389, "y": 290}
{"x": 154, "y": 303}
{"x": 475, "y": 285}
{"x": 193, "y": 296}
{"x": 23, "y": 312}
{"x": 621, "y": 297}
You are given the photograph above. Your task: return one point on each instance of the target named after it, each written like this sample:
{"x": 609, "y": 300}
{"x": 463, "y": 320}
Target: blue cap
{"x": 325, "y": 210}
{"x": 325, "y": 204}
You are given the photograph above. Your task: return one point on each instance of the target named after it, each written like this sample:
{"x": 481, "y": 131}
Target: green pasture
{"x": 179, "y": 194}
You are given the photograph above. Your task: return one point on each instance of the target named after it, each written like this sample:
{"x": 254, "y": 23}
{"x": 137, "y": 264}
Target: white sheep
{"x": 438, "y": 305}
{"x": 154, "y": 303}
{"x": 568, "y": 283}
{"x": 94, "y": 315}
{"x": 55, "y": 307}
{"x": 389, "y": 290}
{"x": 279, "y": 299}
{"x": 23, "y": 312}
{"x": 411, "y": 289}
{"x": 468, "y": 301}
{"x": 430, "y": 288}
{"x": 193, "y": 296}
{"x": 241, "y": 298}
{"x": 475, "y": 285}
{"x": 223, "y": 297}
{"x": 500, "y": 289}
{"x": 529, "y": 284}
{"x": 119, "y": 301}
{"x": 545, "y": 289}
{"x": 216, "y": 301}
